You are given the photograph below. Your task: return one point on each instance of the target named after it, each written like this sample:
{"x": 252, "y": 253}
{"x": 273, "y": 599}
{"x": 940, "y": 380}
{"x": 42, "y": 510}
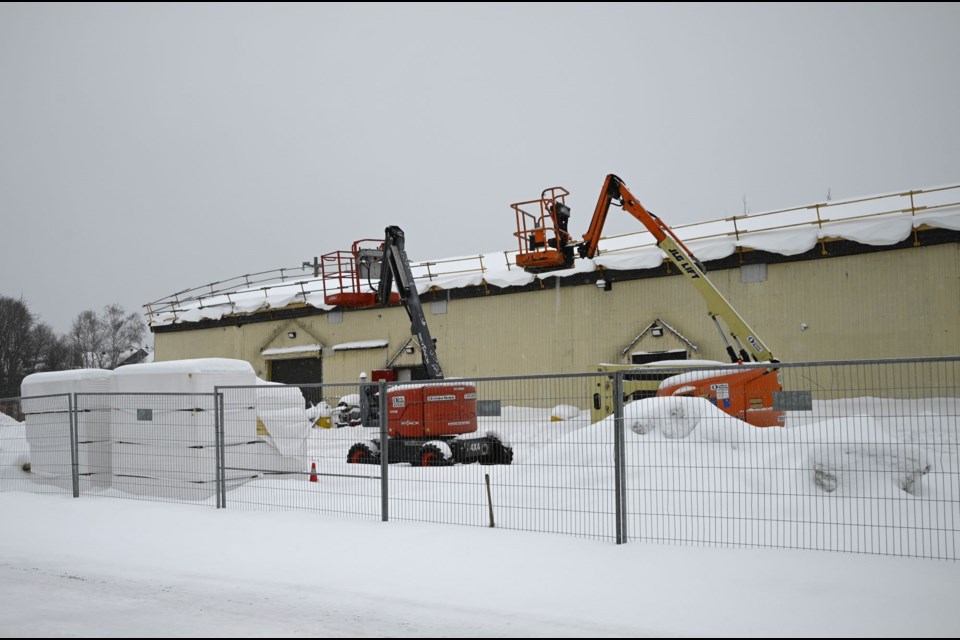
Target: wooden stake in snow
{"x": 489, "y": 498}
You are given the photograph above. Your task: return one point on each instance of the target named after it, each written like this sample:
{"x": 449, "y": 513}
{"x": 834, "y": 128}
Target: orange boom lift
{"x": 546, "y": 245}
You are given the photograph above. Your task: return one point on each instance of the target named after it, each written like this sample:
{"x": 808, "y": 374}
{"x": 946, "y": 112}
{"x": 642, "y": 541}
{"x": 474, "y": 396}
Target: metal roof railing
{"x": 913, "y": 202}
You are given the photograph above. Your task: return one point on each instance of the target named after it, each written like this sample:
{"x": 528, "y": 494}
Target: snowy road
{"x": 53, "y": 603}
{"x": 110, "y": 567}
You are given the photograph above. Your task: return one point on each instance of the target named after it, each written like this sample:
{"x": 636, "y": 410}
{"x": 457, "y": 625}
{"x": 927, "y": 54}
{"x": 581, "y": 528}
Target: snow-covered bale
{"x": 677, "y": 417}
{"x": 14, "y": 450}
{"x": 64, "y": 382}
{"x": 165, "y": 425}
{"x": 198, "y": 376}
{"x": 47, "y": 394}
{"x": 46, "y": 402}
{"x": 281, "y": 410}
{"x": 172, "y": 403}
{"x": 859, "y": 455}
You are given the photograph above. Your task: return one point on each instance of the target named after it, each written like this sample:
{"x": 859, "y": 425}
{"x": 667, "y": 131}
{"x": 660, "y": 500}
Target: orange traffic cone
{"x": 313, "y": 472}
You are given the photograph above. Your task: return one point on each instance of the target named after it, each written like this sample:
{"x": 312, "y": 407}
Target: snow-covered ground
{"x": 122, "y": 568}
{"x": 859, "y": 475}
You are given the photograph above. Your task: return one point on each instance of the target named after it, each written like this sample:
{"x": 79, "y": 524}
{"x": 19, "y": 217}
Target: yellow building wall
{"x": 902, "y": 303}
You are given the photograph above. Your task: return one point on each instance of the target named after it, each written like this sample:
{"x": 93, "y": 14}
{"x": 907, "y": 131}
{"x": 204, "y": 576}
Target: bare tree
{"x": 48, "y": 351}
{"x": 87, "y": 337}
{"x": 28, "y": 345}
{"x": 122, "y": 332}
{"x": 16, "y": 323}
{"x": 102, "y": 341}
{"x": 41, "y": 337}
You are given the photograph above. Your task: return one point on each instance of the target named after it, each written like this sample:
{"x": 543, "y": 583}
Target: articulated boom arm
{"x": 717, "y": 306}
{"x": 615, "y": 191}
{"x": 396, "y": 266}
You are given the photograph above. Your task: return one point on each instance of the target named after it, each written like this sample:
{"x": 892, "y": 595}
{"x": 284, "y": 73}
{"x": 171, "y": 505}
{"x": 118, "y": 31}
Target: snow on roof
{"x": 196, "y": 365}
{"x": 305, "y": 348}
{"x": 361, "y": 344}
{"x": 875, "y": 220}
{"x": 68, "y": 375}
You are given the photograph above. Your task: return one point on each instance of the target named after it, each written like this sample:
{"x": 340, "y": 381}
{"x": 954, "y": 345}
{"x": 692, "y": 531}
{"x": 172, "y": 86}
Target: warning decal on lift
{"x": 722, "y": 389}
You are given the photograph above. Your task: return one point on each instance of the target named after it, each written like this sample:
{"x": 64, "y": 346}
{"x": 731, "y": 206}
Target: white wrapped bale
{"x": 46, "y": 407}
{"x": 172, "y": 403}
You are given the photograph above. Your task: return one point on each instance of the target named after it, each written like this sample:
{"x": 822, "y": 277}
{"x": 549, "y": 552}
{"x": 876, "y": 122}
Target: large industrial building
{"x": 876, "y": 277}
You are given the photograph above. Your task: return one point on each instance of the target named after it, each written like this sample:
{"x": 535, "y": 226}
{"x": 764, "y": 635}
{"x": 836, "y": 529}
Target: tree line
{"x": 28, "y": 345}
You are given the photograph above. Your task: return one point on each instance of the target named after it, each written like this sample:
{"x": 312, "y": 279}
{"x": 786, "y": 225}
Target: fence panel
{"x": 865, "y": 456}
{"x": 35, "y": 444}
{"x": 556, "y": 473}
{"x": 161, "y": 446}
{"x": 866, "y": 462}
{"x": 298, "y": 457}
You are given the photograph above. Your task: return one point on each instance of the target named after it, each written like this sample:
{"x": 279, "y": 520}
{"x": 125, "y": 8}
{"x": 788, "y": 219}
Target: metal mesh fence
{"x": 527, "y": 466}
{"x": 35, "y": 445}
{"x": 861, "y": 456}
{"x": 161, "y": 446}
{"x": 866, "y": 461}
{"x": 299, "y": 455}
{"x": 558, "y": 476}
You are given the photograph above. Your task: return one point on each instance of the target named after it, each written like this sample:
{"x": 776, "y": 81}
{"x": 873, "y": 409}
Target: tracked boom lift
{"x": 546, "y": 245}
{"x": 428, "y": 424}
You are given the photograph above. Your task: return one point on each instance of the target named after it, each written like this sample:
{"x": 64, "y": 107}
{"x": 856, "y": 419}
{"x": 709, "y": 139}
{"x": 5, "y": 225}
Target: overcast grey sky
{"x": 146, "y": 149}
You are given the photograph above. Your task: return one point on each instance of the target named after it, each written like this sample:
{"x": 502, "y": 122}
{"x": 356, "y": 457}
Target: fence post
{"x": 384, "y": 455}
{"x": 74, "y": 444}
{"x": 218, "y": 444}
{"x": 618, "y": 457}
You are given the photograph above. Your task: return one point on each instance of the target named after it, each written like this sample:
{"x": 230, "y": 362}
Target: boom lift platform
{"x": 350, "y": 278}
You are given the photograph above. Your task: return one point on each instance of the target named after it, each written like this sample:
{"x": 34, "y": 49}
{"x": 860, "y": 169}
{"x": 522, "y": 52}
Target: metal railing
{"x": 867, "y": 459}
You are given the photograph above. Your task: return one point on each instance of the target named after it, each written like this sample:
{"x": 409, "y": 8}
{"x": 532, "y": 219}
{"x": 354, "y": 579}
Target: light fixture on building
{"x": 605, "y": 285}
{"x": 656, "y": 332}
{"x": 408, "y": 348}
{"x": 291, "y": 334}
